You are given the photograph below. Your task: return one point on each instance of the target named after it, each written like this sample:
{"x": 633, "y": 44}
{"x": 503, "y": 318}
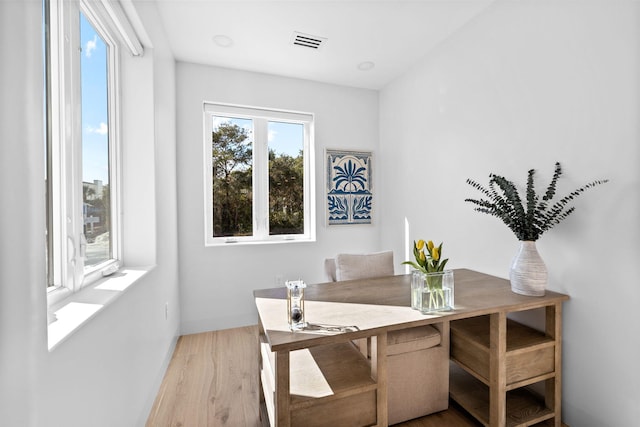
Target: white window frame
{"x": 66, "y": 271}
{"x": 260, "y": 117}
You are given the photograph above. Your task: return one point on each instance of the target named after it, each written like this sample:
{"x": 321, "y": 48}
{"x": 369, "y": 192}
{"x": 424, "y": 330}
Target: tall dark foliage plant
{"x": 537, "y": 214}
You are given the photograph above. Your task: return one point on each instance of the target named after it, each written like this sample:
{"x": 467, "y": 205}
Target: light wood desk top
{"x": 383, "y": 304}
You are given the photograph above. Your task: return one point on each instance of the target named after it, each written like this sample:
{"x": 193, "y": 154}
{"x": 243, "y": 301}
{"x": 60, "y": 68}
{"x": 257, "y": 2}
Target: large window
{"x": 258, "y": 177}
{"x": 83, "y": 229}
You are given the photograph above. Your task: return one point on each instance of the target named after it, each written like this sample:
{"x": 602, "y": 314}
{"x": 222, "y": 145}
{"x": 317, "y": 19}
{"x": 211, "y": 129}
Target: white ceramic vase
{"x": 528, "y": 273}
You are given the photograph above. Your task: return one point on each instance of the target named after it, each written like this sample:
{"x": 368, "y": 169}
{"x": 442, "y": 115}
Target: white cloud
{"x": 103, "y": 129}
{"x": 271, "y": 135}
{"x": 217, "y": 121}
{"x": 91, "y": 46}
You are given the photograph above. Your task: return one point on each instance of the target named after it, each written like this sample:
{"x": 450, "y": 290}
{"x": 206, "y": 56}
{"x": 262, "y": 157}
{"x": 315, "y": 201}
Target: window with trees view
{"x": 258, "y": 175}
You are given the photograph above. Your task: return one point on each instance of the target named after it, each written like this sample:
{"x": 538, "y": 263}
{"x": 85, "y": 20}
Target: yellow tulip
{"x": 420, "y": 244}
{"x": 422, "y": 256}
{"x": 434, "y": 254}
{"x": 430, "y": 245}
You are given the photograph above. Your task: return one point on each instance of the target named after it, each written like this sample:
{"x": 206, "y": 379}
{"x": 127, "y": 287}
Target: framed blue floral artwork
{"x": 349, "y": 187}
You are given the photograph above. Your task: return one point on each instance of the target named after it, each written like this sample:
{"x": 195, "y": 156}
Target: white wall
{"x": 22, "y": 304}
{"x": 216, "y": 283}
{"x": 107, "y": 372}
{"x": 524, "y": 85}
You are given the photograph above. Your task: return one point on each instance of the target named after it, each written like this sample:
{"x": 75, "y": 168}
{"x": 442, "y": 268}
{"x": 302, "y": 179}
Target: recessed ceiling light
{"x": 222, "y": 40}
{"x": 366, "y": 66}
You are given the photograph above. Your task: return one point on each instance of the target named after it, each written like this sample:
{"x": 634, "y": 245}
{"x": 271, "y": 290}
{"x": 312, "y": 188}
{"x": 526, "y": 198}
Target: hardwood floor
{"x": 212, "y": 380}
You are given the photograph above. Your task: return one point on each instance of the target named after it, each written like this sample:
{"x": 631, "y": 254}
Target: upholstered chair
{"x": 417, "y": 358}
{"x": 359, "y": 266}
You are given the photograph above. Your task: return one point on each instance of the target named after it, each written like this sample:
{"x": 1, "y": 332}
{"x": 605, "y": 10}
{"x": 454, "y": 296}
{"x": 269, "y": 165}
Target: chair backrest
{"x": 359, "y": 266}
{"x": 330, "y": 269}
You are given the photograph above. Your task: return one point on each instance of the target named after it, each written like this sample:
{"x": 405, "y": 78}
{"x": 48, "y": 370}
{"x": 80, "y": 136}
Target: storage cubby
{"x": 489, "y": 373}
{"x": 329, "y": 385}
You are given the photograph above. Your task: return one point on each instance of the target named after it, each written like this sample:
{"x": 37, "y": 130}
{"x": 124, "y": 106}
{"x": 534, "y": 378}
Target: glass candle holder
{"x": 295, "y": 304}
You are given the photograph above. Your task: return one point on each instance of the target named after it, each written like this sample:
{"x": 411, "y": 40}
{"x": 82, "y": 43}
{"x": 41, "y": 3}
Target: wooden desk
{"x": 494, "y": 354}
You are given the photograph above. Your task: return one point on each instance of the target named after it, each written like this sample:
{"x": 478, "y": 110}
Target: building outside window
{"x": 82, "y": 46}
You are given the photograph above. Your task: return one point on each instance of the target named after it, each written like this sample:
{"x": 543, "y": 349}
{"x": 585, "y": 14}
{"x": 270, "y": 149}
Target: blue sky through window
{"x": 95, "y": 117}
{"x": 284, "y": 138}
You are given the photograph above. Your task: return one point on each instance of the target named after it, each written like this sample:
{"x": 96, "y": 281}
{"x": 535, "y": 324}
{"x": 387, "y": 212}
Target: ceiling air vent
{"x": 307, "y": 40}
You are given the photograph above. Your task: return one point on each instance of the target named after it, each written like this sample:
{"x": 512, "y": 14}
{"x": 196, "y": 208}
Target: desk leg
{"x": 553, "y": 386}
{"x": 261, "y": 399}
{"x": 379, "y": 373}
{"x": 497, "y": 370}
{"x": 282, "y": 397}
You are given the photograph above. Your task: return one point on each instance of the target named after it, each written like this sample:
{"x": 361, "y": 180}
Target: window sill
{"x": 242, "y": 242}
{"x": 71, "y": 313}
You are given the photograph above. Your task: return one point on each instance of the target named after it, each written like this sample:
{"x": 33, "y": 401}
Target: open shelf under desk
{"x": 326, "y": 382}
{"x": 524, "y": 408}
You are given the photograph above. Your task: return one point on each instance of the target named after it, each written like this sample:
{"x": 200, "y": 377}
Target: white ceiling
{"x": 393, "y": 34}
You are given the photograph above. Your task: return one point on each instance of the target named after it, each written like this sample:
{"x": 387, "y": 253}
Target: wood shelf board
{"x": 327, "y": 372}
{"x": 525, "y": 367}
{"x": 521, "y": 368}
{"x": 519, "y": 336}
{"x": 530, "y": 353}
{"x": 530, "y": 381}
{"x": 357, "y": 410}
{"x": 523, "y": 407}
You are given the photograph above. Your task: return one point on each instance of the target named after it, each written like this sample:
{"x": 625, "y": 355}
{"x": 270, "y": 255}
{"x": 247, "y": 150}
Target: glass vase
{"x": 432, "y": 292}
{"x": 417, "y": 287}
